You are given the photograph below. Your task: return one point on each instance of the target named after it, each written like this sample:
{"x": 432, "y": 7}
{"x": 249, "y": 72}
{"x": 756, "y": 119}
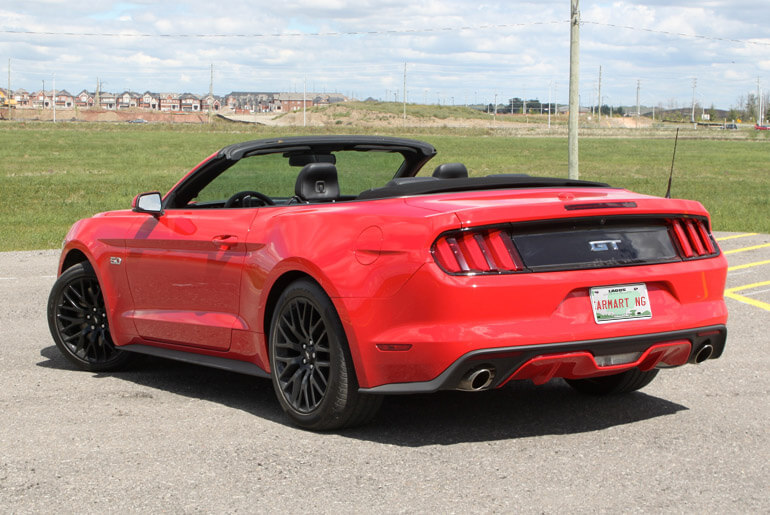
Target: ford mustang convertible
{"x": 345, "y": 269}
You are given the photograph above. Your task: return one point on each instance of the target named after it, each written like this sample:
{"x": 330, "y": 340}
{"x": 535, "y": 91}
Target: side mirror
{"x": 150, "y": 203}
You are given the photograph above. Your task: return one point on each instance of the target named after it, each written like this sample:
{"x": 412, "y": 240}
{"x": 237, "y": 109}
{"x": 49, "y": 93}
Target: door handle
{"x": 224, "y": 241}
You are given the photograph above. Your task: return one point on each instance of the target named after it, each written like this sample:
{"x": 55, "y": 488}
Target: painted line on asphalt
{"x": 744, "y": 249}
{"x": 30, "y": 277}
{"x": 748, "y": 265}
{"x": 730, "y": 293}
{"x": 723, "y": 238}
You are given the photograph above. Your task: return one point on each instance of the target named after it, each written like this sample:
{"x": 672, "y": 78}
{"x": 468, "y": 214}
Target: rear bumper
{"x": 572, "y": 360}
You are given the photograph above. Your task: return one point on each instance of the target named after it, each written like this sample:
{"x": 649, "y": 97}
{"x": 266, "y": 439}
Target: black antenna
{"x": 671, "y": 175}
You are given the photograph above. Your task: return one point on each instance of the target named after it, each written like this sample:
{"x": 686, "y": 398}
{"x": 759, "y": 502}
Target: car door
{"x": 184, "y": 273}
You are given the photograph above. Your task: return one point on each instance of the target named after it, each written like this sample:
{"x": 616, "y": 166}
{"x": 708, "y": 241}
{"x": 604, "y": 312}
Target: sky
{"x": 454, "y": 51}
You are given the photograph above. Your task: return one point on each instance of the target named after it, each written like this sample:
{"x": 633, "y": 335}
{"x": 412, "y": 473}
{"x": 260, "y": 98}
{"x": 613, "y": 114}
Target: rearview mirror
{"x": 151, "y": 203}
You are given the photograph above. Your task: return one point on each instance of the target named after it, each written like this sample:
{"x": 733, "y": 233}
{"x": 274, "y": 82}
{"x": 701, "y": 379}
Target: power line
{"x": 376, "y": 32}
{"x": 279, "y": 34}
{"x": 678, "y": 34}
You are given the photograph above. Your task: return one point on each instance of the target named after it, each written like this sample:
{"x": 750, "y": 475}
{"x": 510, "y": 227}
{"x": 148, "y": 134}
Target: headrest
{"x": 317, "y": 182}
{"x": 450, "y": 171}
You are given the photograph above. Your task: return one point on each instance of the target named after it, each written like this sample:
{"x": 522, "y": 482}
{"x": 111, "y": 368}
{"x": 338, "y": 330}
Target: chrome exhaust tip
{"x": 476, "y": 380}
{"x": 703, "y": 353}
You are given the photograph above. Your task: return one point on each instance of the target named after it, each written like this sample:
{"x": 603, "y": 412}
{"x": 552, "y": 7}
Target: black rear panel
{"x": 586, "y": 247}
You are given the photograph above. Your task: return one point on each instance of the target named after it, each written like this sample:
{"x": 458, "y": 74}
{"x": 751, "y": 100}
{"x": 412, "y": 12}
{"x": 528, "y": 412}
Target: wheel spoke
{"x": 300, "y": 347}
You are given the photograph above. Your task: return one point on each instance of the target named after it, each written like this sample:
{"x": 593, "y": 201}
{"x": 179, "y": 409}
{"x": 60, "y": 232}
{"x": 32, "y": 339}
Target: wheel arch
{"x": 278, "y": 287}
{"x": 72, "y": 258}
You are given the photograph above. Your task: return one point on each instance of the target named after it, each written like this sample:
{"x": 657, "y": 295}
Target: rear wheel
{"x": 77, "y": 318}
{"x": 311, "y": 367}
{"x": 628, "y": 381}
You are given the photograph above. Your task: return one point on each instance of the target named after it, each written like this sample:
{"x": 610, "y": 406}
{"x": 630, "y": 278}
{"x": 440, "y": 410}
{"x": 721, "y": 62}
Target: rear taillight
{"x": 693, "y": 238}
{"x": 486, "y": 251}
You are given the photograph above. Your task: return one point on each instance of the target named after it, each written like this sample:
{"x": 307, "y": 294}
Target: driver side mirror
{"x": 150, "y": 203}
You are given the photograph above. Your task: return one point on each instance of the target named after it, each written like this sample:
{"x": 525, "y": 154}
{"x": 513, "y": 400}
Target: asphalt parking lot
{"x": 170, "y": 437}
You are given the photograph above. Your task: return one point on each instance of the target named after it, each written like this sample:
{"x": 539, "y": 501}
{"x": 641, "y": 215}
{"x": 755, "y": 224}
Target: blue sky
{"x": 456, "y": 51}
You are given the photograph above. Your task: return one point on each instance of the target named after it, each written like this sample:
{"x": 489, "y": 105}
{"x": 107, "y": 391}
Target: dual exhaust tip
{"x": 703, "y": 353}
{"x": 477, "y": 379}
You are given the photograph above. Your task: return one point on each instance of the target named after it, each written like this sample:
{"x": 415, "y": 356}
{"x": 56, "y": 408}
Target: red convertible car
{"x": 344, "y": 268}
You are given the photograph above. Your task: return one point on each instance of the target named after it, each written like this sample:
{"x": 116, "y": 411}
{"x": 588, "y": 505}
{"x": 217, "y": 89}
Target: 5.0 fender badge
{"x": 115, "y": 260}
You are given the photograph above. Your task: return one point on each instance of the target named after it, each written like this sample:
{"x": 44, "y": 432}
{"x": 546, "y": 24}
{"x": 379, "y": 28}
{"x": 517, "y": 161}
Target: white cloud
{"x": 508, "y": 47}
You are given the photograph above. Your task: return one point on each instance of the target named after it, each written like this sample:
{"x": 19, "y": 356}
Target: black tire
{"x": 628, "y": 381}
{"x": 77, "y": 318}
{"x": 311, "y": 368}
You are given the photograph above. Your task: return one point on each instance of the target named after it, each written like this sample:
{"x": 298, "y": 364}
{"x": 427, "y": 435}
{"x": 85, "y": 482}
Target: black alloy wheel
{"x": 77, "y": 318}
{"x": 311, "y": 367}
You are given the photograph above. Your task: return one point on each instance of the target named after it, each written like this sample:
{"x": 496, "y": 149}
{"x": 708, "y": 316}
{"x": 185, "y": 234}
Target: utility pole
{"x": 97, "y": 100}
{"x": 550, "y": 86}
{"x": 692, "y": 116}
{"x": 211, "y": 92}
{"x": 304, "y": 103}
{"x": 574, "y": 93}
{"x": 9, "y": 89}
{"x": 404, "y": 94}
{"x": 600, "y": 93}
{"x": 759, "y": 98}
{"x": 638, "y": 106}
{"x": 54, "y": 98}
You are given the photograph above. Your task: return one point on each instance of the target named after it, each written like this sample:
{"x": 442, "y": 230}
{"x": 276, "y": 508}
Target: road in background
{"x": 166, "y": 436}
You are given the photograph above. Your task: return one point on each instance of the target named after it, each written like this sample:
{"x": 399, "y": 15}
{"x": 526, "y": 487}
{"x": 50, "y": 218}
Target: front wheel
{"x": 77, "y": 318}
{"x": 628, "y": 381}
{"x": 311, "y": 367}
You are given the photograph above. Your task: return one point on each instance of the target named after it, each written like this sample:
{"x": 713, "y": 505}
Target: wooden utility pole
{"x": 10, "y": 96}
{"x": 210, "y": 101}
{"x": 404, "y": 94}
{"x": 600, "y": 93}
{"x": 574, "y": 94}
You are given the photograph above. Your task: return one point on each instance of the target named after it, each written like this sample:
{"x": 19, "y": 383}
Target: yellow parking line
{"x": 730, "y": 293}
{"x": 748, "y": 265}
{"x": 744, "y": 249}
{"x": 723, "y": 238}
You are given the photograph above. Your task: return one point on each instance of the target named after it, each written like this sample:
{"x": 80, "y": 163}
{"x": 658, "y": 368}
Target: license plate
{"x": 620, "y": 303}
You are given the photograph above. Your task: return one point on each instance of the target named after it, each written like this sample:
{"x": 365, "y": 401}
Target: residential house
{"x": 127, "y": 100}
{"x": 84, "y": 100}
{"x": 64, "y": 100}
{"x": 287, "y": 102}
{"x": 150, "y": 101}
{"x": 107, "y": 100}
{"x": 190, "y": 103}
{"x": 170, "y": 102}
{"x": 22, "y": 98}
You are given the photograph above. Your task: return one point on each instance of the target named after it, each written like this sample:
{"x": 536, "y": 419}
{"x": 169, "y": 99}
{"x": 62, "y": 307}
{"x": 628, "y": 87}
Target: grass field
{"x": 52, "y": 175}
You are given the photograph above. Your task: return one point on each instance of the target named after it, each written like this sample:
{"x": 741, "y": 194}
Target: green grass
{"x": 52, "y": 175}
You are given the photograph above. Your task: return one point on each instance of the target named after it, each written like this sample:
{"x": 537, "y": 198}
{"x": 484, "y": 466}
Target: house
{"x": 150, "y": 101}
{"x": 127, "y": 100}
{"x": 106, "y": 100}
{"x": 84, "y": 100}
{"x": 63, "y": 99}
{"x": 190, "y": 103}
{"x": 170, "y": 102}
{"x": 21, "y": 97}
{"x": 287, "y": 102}
{"x": 211, "y": 103}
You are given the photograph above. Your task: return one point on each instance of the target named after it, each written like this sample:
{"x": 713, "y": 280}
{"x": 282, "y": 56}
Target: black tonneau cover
{"x": 425, "y": 186}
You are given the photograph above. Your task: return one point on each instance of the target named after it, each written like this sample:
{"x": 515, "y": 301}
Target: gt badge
{"x": 602, "y": 245}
